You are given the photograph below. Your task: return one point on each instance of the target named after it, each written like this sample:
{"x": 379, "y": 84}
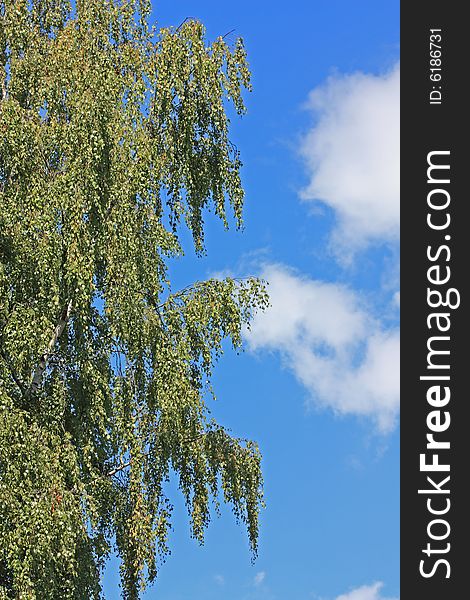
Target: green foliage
{"x": 112, "y": 137}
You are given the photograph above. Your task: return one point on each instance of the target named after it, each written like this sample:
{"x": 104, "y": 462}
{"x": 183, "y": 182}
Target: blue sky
{"x": 317, "y": 383}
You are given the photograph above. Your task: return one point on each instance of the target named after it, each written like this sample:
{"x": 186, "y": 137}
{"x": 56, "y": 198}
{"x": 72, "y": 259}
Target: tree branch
{"x": 117, "y": 469}
{"x": 41, "y": 367}
{"x": 194, "y": 287}
{"x": 4, "y": 89}
{"x": 123, "y": 466}
{"x": 13, "y": 374}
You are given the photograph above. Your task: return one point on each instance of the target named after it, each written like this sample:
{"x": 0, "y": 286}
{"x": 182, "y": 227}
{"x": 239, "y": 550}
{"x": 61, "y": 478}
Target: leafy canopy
{"x": 112, "y": 137}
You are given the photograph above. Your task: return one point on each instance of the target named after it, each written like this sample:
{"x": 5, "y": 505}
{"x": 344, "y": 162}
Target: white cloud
{"x": 259, "y": 578}
{"x": 347, "y": 359}
{"x": 366, "y": 592}
{"x": 219, "y": 579}
{"x": 352, "y": 156}
{"x": 342, "y": 355}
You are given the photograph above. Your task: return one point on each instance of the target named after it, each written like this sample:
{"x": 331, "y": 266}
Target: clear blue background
{"x": 332, "y": 486}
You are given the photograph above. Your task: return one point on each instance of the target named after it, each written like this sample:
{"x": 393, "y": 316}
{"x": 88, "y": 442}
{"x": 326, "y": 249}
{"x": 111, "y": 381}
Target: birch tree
{"x": 113, "y": 140}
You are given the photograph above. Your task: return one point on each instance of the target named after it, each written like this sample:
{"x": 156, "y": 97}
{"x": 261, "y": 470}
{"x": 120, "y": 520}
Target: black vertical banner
{"x": 435, "y": 250}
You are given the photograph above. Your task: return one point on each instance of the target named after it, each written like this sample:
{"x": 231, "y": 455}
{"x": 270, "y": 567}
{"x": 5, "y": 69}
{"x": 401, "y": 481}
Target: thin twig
{"x": 228, "y": 33}
{"x": 185, "y": 21}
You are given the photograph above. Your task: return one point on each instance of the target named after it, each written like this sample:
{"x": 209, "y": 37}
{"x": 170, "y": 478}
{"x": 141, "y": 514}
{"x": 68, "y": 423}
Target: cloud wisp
{"x": 365, "y": 592}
